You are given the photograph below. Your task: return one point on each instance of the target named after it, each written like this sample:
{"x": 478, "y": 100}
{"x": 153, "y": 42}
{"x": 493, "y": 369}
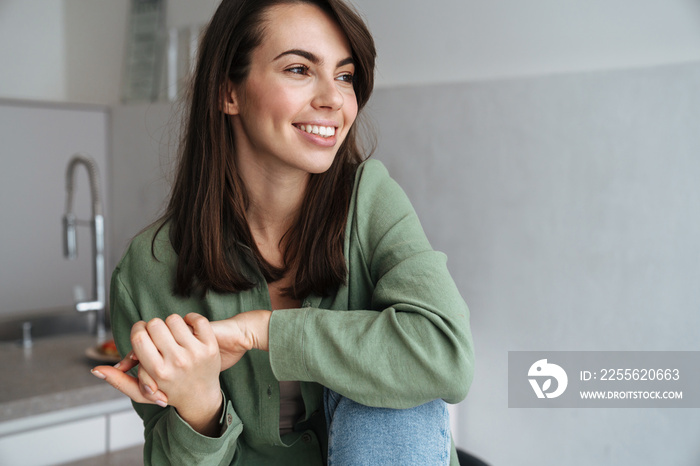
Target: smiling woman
{"x": 288, "y": 308}
{"x": 309, "y": 86}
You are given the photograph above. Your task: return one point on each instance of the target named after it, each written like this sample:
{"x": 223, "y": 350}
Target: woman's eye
{"x": 347, "y": 77}
{"x": 299, "y": 69}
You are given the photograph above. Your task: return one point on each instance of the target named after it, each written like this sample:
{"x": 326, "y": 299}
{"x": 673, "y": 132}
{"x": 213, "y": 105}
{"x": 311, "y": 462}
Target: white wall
{"x": 419, "y": 42}
{"x": 520, "y": 235}
{"x": 32, "y": 50}
{"x": 423, "y": 42}
{"x": 95, "y": 33}
{"x": 62, "y": 51}
{"x": 36, "y": 143}
{"x": 143, "y": 146}
{"x": 565, "y": 205}
{"x": 568, "y": 208}
{"x": 183, "y": 13}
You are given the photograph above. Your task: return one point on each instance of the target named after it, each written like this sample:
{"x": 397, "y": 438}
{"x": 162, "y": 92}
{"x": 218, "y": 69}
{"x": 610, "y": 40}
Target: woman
{"x": 288, "y": 308}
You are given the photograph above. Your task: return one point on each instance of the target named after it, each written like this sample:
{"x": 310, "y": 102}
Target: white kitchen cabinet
{"x": 125, "y": 430}
{"x": 70, "y": 434}
{"x": 55, "y": 444}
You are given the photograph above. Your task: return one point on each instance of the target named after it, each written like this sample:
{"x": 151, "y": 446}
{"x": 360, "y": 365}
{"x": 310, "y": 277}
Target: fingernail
{"x": 98, "y": 374}
{"x": 132, "y": 356}
{"x": 161, "y": 403}
{"x": 148, "y": 389}
{"x": 116, "y": 366}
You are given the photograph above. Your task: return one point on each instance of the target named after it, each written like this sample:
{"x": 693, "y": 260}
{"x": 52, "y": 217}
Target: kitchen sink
{"x": 46, "y": 324}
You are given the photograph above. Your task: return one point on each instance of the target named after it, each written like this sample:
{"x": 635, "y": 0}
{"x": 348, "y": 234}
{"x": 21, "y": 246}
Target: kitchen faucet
{"x": 70, "y": 249}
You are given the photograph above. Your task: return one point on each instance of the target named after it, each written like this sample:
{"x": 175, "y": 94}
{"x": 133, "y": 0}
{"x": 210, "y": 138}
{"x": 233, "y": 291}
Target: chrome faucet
{"x": 70, "y": 249}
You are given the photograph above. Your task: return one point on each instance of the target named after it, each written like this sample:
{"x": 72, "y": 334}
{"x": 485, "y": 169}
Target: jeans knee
{"x": 359, "y": 434}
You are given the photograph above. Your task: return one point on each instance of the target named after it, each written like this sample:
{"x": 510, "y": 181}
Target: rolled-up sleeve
{"x": 412, "y": 343}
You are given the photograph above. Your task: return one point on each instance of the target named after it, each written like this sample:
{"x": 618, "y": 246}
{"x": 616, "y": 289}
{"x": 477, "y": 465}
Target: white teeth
{"x": 323, "y": 131}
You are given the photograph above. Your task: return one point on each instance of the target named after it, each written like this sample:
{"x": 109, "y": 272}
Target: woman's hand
{"x": 241, "y": 333}
{"x": 234, "y": 336}
{"x": 178, "y": 358}
{"x": 129, "y": 385}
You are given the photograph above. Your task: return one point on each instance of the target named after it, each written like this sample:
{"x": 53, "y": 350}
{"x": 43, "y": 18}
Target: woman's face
{"x": 298, "y": 103}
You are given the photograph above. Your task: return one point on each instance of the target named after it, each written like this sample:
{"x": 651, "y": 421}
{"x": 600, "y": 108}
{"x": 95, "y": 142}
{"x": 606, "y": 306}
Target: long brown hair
{"x": 207, "y": 209}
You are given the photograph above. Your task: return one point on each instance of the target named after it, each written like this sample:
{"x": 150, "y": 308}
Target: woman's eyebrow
{"x": 346, "y": 61}
{"x": 313, "y": 58}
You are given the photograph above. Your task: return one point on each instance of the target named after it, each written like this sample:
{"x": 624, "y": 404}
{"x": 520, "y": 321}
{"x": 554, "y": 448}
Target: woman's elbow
{"x": 459, "y": 378}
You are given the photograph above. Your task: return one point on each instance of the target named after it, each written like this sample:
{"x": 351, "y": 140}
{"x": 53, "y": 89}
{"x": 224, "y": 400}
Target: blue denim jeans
{"x": 362, "y": 435}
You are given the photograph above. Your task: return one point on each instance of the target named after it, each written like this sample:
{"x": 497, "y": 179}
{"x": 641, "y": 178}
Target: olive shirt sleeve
{"x": 412, "y": 344}
{"x": 168, "y": 438}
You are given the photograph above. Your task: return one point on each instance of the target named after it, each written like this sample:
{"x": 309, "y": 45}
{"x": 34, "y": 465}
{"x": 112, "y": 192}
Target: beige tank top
{"x": 291, "y": 406}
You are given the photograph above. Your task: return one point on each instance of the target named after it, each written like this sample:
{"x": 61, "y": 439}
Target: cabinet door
{"x": 55, "y": 444}
{"x": 125, "y": 430}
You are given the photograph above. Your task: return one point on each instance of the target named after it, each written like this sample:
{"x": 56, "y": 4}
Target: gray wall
{"x": 144, "y": 141}
{"x": 73, "y": 50}
{"x": 568, "y": 207}
{"x": 36, "y": 143}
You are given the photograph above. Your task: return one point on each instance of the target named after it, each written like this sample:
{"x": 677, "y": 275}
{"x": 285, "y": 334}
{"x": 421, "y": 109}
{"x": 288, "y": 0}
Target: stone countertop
{"x": 52, "y": 375}
{"x": 127, "y": 457}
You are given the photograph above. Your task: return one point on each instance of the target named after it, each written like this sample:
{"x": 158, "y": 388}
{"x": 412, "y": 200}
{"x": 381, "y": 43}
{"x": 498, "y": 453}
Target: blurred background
{"x": 551, "y": 149}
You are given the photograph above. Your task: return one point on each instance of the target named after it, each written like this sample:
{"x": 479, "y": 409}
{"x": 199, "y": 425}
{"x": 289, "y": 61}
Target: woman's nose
{"x": 327, "y": 94}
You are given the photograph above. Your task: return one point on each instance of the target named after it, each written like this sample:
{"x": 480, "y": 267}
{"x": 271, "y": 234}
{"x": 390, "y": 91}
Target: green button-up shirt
{"x": 396, "y": 335}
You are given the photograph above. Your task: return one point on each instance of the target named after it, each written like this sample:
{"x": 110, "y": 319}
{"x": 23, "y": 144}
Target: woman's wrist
{"x": 262, "y": 330}
{"x": 241, "y": 333}
{"x": 203, "y": 415}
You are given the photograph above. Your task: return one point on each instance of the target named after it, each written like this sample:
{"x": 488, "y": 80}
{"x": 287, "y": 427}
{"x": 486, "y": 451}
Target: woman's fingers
{"x": 143, "y": 345}
{"x": 178, "y": 357}
{"x": 128, "y": 385}
{"x": 164, "y": 352}
{"x": 148, "y": 386}
{"x": 130, "y": 361}
{"x": 201, "y": 328}
{"x": 180, "y": 330}
{"x": 162, "y": 338}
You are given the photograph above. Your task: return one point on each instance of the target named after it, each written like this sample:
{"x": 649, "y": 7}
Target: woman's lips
{"x": 317, "y": 138}
{"x": 319, "y": 129}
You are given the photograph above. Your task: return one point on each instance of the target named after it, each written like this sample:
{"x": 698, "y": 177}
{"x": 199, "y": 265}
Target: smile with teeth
{"x": 323, "y": 131}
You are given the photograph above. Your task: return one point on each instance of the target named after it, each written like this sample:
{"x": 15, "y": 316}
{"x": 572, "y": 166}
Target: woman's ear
{"x": 229, "y": 99}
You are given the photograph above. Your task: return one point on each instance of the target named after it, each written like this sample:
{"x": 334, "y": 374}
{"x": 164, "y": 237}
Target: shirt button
{"x": 229, "y": 419}
{"x": 306, "y": 438}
